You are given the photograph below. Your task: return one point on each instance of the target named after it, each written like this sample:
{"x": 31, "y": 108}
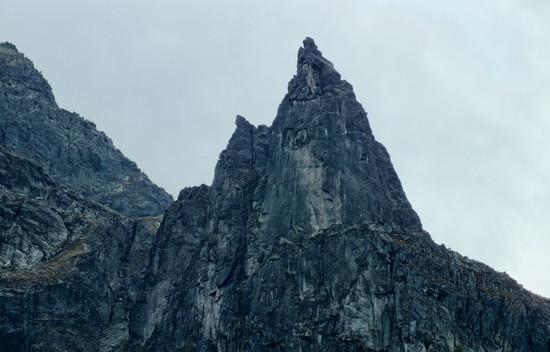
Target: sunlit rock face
{"x": 305, "y": 241}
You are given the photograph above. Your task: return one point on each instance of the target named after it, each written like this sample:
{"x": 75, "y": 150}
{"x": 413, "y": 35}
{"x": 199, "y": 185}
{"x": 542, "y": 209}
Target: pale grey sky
{"x": 458, "y": 91}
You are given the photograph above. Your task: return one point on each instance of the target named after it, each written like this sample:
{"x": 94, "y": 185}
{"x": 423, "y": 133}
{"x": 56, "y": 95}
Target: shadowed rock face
{"x": 67, "y": 146}
{"x": 70, "y": 269}
{"x": 305, "y": 241}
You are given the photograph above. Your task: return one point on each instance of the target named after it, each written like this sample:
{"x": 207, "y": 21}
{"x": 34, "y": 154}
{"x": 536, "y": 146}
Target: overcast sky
{"x": 458, "y": 91}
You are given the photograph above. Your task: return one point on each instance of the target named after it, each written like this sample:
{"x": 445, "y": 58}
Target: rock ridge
{"x": 67, "y": 146}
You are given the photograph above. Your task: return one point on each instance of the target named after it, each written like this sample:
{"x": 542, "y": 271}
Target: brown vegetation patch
{"x": 50, "y": 271}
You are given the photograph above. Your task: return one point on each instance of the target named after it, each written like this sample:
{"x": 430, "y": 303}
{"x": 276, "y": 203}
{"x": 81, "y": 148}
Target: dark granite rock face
{"x": 305, "y": 241}
{"x": 67, "y": 146}
{"x": 70, "y": 269}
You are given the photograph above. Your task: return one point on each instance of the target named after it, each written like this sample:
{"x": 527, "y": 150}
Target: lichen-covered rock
{"x": 306, "y": 242}
{"x": 67, "y": 146}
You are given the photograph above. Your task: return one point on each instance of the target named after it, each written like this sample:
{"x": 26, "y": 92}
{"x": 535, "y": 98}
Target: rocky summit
{"x": 67, "y": 146}
{"x": 305, "y": 241}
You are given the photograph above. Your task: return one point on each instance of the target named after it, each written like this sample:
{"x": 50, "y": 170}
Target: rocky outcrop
{"x": 68, "y": 147}
{"x": 72, "y": 255}
{"x": 70, "y": 268}
{"x": 306, "y": 242}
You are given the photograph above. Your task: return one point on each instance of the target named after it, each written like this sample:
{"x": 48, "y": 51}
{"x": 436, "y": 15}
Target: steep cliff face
{"x": 68, "y": 147}
{"x": 69, "y": 269}
{"x": 70, "y": 266}
{"x": 306, "y": 242}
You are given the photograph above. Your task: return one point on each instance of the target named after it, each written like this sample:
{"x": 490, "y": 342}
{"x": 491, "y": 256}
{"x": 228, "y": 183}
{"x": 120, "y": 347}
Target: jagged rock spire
{"x": 314, "y": 73}
{"x": 319, "y": 165}
{"x": 306, "y": 242}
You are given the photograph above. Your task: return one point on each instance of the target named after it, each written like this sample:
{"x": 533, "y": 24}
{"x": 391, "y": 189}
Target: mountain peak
{"x": 305, "y": 241}
{"x": 314, "y": 73}
{"x": 317, "y": 166}
{"x": 309, "y": 44}
{"x": 68, "y": 147}
{"x": 19, "y": 79}
{"x": 8, "y": 46}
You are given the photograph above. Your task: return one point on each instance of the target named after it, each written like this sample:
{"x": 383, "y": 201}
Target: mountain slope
{"x": 306, "y": 242}
{"x": 68, "y": 147}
